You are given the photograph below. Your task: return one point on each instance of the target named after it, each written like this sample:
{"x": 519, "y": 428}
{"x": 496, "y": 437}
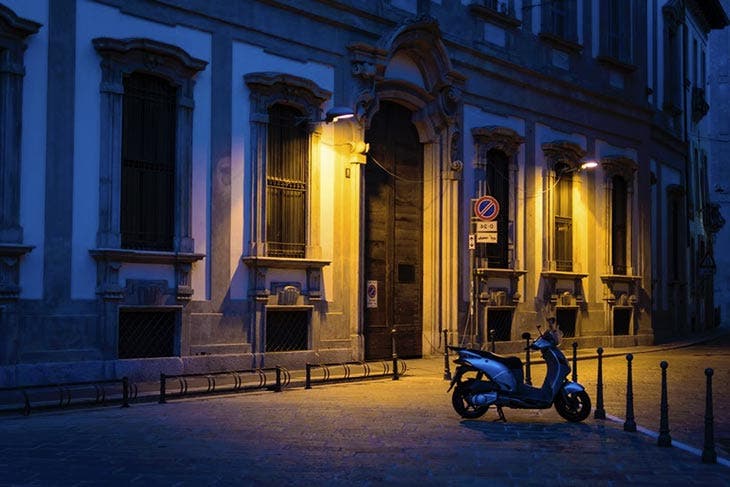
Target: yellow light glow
{"x": 589, "y": 165}
{"x": 342, "y": 117}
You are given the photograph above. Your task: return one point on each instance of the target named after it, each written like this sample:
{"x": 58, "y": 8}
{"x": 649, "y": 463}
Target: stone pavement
{"x": 372, "y": 432}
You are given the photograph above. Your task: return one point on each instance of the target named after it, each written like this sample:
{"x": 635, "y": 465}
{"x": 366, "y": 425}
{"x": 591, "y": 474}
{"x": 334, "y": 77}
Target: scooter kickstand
{"x": 501, "y": 414}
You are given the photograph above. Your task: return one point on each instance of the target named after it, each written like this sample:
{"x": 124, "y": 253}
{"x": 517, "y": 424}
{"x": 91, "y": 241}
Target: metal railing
{"x": 348, "y": 371}
{"x": 272, "y": 378}
{"x": 61, "y": 395}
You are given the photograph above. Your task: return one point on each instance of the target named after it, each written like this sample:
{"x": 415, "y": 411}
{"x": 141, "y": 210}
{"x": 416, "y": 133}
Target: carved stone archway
{"x": 437, "y": 111}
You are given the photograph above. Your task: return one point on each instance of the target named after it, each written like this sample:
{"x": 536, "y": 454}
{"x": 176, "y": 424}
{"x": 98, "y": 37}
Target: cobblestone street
{"x": 381, "y": 431}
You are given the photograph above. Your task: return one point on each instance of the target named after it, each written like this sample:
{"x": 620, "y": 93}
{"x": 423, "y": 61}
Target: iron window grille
{"x": 505, "y": 7}
{"x": 287, "y": 330}
{"x": 148, "y": 163}
{"x": 500, "y": 320}
{"x": 497, "y": 184}
{"x": 286, "y": 183}
{"x": 616, "y": 32}
{"x": 619, "y": 215}
{"x": 560, "y": 18}
{"x": 563, "y": 221}
{"x": 147, "y": 334}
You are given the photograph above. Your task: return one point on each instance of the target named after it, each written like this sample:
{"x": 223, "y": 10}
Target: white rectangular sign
{"x": 487, "y": 237}
{"x": 486, "y": 227}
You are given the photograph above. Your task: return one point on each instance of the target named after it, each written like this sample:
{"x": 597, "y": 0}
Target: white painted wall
{"x": 94, "y": 20}
{"x": 248, "y": 59}
{"x": 33, "y": 146}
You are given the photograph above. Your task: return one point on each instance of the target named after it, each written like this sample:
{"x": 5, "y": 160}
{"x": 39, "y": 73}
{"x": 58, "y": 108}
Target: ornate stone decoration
{"x": 419, "y": 39}
{"x": 269, "y": 88}
{"x": 563, "y": 152}
{"x": 674, "y": 13}
{"x": 714, "y": 221}
{"x": 619, "y": 166}
{"x": 700, "y": 107}
{"x": 500, "y": 138}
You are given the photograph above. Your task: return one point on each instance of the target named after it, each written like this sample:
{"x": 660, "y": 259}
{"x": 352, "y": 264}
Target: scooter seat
{"x": 511, "y": 362}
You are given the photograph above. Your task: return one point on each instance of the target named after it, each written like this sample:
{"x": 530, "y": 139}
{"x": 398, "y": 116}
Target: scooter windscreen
{"x": 550, "y": 338}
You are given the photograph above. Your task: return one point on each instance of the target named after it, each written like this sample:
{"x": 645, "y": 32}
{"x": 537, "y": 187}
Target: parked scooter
{"x": 499, "y": 381}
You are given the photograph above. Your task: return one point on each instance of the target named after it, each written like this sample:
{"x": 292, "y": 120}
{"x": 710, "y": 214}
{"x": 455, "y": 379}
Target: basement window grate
{"x": 287, "y": 331}
{"x": 147, "y": 334}
{"x": 500, "y": 321}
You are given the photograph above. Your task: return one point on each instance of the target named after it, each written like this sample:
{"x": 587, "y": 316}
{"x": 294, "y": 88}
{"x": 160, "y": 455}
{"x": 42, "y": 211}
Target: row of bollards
{"x": 709, "y": 454}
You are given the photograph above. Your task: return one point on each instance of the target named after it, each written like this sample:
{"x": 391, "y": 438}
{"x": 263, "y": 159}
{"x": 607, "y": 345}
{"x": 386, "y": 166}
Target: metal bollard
{"x": 629, "y": 424}
{"x": 600, "y": 412}
{"x": 308, "y": 377}
{"x": 492, "y": 332}
{"x": 709, "y": 455}
{"x": 664, "y": 438}
{"x": 575, "y": 361}
{"x": 277, "y": 387}
{"x": 447, "y": 368}
{"x": 528, "y": 377}
{"x": 163, "y": 399}
{"x": 395, "y": 355}
{"x": 125, "y": 392}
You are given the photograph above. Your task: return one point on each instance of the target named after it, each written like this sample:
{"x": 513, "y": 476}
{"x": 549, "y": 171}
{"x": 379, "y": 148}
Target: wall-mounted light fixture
{"x": 336, "y": 114}
{"x": 588, "y": 165}
{"x": 585, "y": 165}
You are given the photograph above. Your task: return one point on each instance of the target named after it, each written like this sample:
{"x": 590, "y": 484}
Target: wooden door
{"x": 393, "y": 234}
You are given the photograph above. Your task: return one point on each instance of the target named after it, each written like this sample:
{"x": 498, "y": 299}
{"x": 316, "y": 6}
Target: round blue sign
{"x": 486, "y": 208}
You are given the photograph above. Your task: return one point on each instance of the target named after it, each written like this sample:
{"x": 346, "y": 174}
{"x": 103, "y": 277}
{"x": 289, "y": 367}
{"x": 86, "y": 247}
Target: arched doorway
{"x": 393, "y": 229}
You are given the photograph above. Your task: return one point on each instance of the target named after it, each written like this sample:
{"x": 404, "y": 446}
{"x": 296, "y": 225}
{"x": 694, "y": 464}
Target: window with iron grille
{"x": 619, "y": 215}
{"x": 500, "y": 320}
{"x": 287, "y": 330}
{"x": 148, "y": 163}
{"x": 286, "y": 182}
{"x": 14, "y": 31}
{"x": 566, "y": 319}
{"x": 616, "y": 33}
{"x": 621, "y": 321}
{"x": 673, "y": 20}
{"x": 563, "y": 221}
{"x": 146, "y": 137}
{"x": 560, "y": 18}
{"x": 506, "y": 7}
{"x": 675, "y": 201}
{"x": 496, "y": 184}
{"x": 147, "y": 334}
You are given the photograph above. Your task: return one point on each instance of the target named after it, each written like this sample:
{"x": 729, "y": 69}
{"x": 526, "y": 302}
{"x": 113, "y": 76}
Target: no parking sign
{"x": 486, "y": 208}
{"x": 372, "y": 294}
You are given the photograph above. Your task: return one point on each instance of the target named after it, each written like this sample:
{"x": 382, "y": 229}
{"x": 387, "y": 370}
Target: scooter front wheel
{"x": 462, "y": 405}
{"x": 573, "y": 406}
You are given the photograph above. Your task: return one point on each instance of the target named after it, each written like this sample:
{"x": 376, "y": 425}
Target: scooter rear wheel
{"x": 463, "y": 406}
{"x": 573, "y": 406}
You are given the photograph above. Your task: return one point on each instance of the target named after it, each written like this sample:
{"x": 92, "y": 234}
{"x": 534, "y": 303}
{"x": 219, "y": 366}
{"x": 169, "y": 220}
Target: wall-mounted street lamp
{"x": 336, "y": 114}
{"x": 585, "y": 165}
{"x": 588, "y": 165}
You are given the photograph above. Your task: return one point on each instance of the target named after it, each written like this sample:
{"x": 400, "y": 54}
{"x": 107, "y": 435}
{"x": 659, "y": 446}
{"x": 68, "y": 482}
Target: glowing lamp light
{"x": 589, "y": 165}
{"x": 338, "y": 113}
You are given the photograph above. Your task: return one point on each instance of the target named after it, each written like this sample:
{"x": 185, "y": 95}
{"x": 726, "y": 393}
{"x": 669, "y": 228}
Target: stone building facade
{"x": 178, "y": 195}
